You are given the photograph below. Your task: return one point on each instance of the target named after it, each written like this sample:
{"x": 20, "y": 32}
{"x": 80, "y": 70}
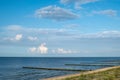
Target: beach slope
{"x": 109, "y": 73}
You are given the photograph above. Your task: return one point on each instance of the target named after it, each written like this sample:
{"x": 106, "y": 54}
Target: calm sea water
{"x": 11, "y": 67}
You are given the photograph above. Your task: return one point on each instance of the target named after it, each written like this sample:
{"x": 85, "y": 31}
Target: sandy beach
{"x": 83, "y": 73}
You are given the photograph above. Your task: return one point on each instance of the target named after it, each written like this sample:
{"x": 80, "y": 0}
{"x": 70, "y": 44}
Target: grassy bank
{"x": 111, "y": 73}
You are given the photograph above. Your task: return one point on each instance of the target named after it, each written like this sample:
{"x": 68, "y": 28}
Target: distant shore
{"x": 104, "y": 73}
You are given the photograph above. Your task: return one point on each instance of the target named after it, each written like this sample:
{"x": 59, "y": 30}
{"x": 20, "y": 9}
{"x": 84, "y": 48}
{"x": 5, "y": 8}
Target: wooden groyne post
{"x": 58, "y": 69}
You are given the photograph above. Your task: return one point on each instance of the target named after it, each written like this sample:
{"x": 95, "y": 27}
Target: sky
{"x": 59, "y": 28}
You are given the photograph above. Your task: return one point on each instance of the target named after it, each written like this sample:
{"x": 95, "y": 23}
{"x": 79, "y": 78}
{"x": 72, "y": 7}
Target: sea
{"x": 11, "y": 68}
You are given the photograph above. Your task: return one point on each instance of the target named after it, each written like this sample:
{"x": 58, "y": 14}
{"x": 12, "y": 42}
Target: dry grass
{"x": 110, "y": 73}
{"x": 113, "y": 74}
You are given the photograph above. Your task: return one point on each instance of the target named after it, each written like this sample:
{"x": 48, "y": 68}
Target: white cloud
{"x": 66, "y": 33}
{"x": 14, "y": 27}
{"x": 55, "y": 13}
{"x": 32, "y": 33}
{"x": 33, "y": 49}
{"x": 42, "y": 48}
{"x": 109, "y": 34}
{"x": 63, "y": 51}
{"x": 32, "y": 38}
{"x": 18, "y": 37}
{"x": 108, "y": 12}
{"x": 77, "y": 3}
{"x": 103, "y": 34}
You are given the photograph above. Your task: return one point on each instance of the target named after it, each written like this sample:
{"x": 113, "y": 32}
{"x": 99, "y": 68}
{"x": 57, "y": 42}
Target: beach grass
{"x": 110, "y": 73}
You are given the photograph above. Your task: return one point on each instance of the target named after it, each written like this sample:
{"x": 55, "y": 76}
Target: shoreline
{"x": 83, "y": 73}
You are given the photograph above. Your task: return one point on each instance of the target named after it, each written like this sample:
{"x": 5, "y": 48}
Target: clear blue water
{"x": 11, "y": 67}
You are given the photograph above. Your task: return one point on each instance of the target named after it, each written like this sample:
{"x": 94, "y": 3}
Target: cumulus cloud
{"x": 63, "y": 51}
{"x": 66, "y": 33}
{"x": 55, "y": 13}
{"x": 109, "y": 12}
{"x": 32, "y": 38}
{"x": 77, "y": 3}
{"x": 18, "y": 37}
{"x": 40, "y": 49}
{"x": 35, "y": 34}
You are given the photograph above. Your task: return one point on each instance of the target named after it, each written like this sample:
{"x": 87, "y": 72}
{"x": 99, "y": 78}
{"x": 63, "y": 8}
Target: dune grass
{"x": 112, "y": 74}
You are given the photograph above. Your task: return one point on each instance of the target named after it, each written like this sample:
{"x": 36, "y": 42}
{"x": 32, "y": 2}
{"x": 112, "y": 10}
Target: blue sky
{"x": 60, "y": 28}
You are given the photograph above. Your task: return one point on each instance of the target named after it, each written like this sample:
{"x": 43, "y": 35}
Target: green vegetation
{"x": 112, "y": 74}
